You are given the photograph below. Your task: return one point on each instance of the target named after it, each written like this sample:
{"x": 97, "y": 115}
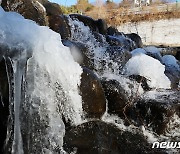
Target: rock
{"x": 172, "y": 70}
{"x": 142, "y": 80}
{"x": 59, "y": 24}
{"x": 153, "y": 52}
{"x": 102, "y": 26}
{"x": 80, "y": 53}
{"x": 112, "y": 31}
{"x": 52, "y": 8}
{"x": 118, "y": 55}
{"x": 99, "y": 38}
{"x": 30, "y": 9}
{"x": 88, "y": 21}
{"x": 101, "y": 138}
{"x": 120, "y": 41}
{"x": 98, "y": 26}
{"x": 173, "y": 75}
{"x": 94, "y": 102}
{"x": 116, "y": 96}
{"x": 178, "y": 54}
{"x": 156, "y": 108}
{"x": 136, "y": 38}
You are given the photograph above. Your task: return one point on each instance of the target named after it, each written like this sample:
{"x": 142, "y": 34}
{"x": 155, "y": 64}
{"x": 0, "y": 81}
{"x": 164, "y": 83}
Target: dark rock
{"x": 99, "y": 38}
{"x": 80, "y": 53}
{"x": 118, "y": 55}
{"x": 120, "y": 41}
{"x": 121, "y": 99}
{"x": 52, "y": 8}
{"x": 156, "y": 108}
{"x": 94, "y": 102}
{"x": 172, "y": 70}
{"x": 116, "y": 96}
{"x": 98, "y": 137}
{"x": 102, "y": 26}
{"x": 173, "y": 75}
{"x": 88, "y": 21}
{"x": 30, "y": 9}
{"x": 59, "y": 24}
{"x": 178, "y": 54}
{"x": 136, "y": 38}
{"x": 142, "y": 80}
{"x": 112, "y": 31}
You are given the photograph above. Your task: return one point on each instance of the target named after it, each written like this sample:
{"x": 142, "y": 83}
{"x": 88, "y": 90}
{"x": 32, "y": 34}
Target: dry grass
{"x": 120, "y": 16}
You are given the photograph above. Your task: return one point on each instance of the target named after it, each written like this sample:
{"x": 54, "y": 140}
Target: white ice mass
{"x": 52, "y": 76}
{"x": 150, "y": 68}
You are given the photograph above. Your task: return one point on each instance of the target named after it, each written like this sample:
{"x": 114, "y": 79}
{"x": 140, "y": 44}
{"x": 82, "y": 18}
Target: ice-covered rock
{"x": 149, "y": 68}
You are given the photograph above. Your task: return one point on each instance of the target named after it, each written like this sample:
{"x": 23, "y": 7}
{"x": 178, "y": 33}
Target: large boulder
{"x": 30, "y": 9}
{"x": 121, "y": 41}
{"x": 112, "y": 31}
{"x": 172, "y": 70}
{"x": 99, "y": 25}
{"x": 101, "y": 138}
{"x": 136, "y": 39}
{"x": 155, "y": 109}
{"x": 51, "y": 8}
{"x": 88, "y": 21}
{"x": 121, "y": 96}
{"x": 102, "y": 26}
{"x": 117, "y": 55}
{"x": 116, "y": 96}
{"x": 59, "y": 24}
{"x": 94, "y": 102}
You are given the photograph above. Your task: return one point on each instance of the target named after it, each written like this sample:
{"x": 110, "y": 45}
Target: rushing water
{"x": 98, "y": 52}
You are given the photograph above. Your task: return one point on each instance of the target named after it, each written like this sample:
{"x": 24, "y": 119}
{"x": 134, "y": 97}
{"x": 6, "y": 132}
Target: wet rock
{"x": 94, "y": 102}
{"x": 112, "y": 31}
{"x": 173, "y": 75}
{"x": 155, "y": 109}
{"x": 30, "y": 9}
{"x": 178, "y": 54}
{"x": 116, "y": 96}
{"x": 98, "y": 26}
{"x": 59, "y": 24}
{"x": 102, "y": 26}
{"x": 101, "y": 138}
{"x": 136, "y": 39}
{"x": 52, "y": 8}
{"x": 80, "y": 53}
{"x": 120, "y": 41}
{"x": 88, "y": 21}
{"x": 99, "y": 38}
{"x": 118, "y": 55}
{"x": 142, "y": 80}
{"x": 172, "y": 70}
